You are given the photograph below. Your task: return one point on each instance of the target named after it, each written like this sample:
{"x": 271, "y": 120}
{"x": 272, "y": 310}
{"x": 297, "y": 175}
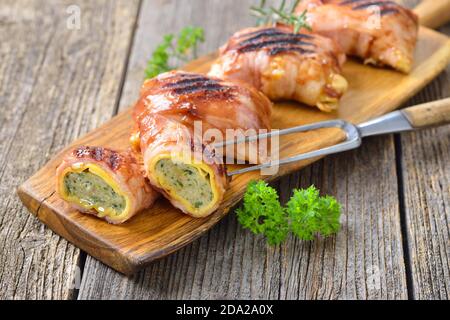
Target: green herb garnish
{"x": 305, "y": 215}
{"x": 262, "y": 213}
{"x": 175, "y": 50}
{"x": 311, "y": 214}
{"x": 272, "y": 16}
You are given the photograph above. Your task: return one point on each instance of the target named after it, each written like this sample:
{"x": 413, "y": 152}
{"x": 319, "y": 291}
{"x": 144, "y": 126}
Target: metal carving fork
{"x": 418, "y": 117}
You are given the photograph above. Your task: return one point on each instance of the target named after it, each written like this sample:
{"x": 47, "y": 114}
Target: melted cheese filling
{"x": 188, "y": 182}
{"x": 92, "y": 192}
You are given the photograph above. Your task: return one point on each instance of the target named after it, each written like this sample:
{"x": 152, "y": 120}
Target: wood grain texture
{"x": 162, "y": 229}
{"x": 55, "y": 84}
{"x": 425, "y": 163}
{"x": 426, "y": 189}
{"x": 230, "y": 262}
{"x": 364, "y": 261}
{"x": 262, "y": 276}
{"x": 219, "y": 19}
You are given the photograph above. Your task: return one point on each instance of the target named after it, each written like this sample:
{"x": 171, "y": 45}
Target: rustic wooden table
{"x": 57, "y": 82}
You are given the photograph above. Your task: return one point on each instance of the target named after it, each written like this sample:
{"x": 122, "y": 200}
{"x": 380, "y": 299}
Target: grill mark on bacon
{"x": 277, "y": 50}
{"x": 364, "y": 4}
{"x": 188, "y": 81}
{"x": 100, "y": 154}
{"x": 205, "y": 87}
{"x": 285, "y": 39}
{"x": 275, "y": 40}
{"x": 114, "y": 160}
{"x": 276, "y": 45}
{"x": 386, "y": 7}
{"x": 272, "y": 35}
{"x": 273, "y": 32}
{"x": 185, "y": 84}
{"x": 381, "y": 4}
{"x": 346, "y": 2}
{"x": 263, "y": 32}
{"x": 389, "y": 11}
{"x": 180, "y": 75}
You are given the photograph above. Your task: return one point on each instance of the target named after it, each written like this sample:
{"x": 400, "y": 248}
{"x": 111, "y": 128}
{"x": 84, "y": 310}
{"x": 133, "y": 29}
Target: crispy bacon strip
{"x": 381, "y": 32}
{"x": 178, "y": 161}
{"x": 283, "y": 65}
{"x": 104, "y": 183}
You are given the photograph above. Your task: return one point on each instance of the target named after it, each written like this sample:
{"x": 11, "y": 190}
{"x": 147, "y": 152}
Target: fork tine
{"x": 345, "y": 146}
{"x": 314, "y": 126}
{"x": 353, "y": 141}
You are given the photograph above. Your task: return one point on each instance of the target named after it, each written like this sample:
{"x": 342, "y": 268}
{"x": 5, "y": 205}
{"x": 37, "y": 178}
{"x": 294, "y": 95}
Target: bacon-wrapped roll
{"x": 105, "y": 183}
{"x": 381, "y": 32}
{"x": 283, "y": 65}
{"x": 179, "y": 163}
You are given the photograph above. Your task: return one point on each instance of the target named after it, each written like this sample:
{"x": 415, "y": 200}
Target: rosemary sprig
{"x": 271, "y": 16}
{"x": 298, "y": 22}
{"x": 262, "y": 14}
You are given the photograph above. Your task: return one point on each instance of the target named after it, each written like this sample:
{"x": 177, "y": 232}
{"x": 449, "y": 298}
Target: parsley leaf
{"x": 159, "y": 62}
{"x": 188, "y": 40}
{"x": 311, "y": 214}
{"x": 305, "y": 215}
{"x": 181, "y": 50}
{"x": 262, "y": 213}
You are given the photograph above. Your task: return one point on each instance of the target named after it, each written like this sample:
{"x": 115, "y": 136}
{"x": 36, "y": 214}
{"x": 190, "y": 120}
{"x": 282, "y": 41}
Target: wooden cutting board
{"x": 163, "y": 229}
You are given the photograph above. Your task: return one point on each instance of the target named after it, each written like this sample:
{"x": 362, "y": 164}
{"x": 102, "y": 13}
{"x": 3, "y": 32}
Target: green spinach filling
{"x": 93, "y": 192}
{"x": 186, "y": 181}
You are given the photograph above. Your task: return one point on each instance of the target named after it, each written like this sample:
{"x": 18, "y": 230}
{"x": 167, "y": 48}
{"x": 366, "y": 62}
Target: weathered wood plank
{"x": 56, "y": 83}
{"x": 425, "y": 160}
{"x": 220, "y": 19}
{"x": 158, "y": 17}
{"x": 364, "y": 261}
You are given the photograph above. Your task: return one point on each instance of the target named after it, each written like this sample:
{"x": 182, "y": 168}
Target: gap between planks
{"x": 237, "y": 242}
{"x": 53, "y": 89}
{"x": 403, "y": 222}
{"x": 398, "y": 160}
{"x": 83, "y": 255}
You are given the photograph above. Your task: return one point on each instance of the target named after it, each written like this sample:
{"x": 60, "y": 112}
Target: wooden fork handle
{"x": 433, "y": 13}
{"x": 430, "y": 114}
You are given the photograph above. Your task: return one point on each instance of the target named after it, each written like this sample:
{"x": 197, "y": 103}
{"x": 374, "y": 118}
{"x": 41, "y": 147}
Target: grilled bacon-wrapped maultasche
{"x": 380, "y": 32}
{"x": 165, "y": 116}
{"x": 105, "y": 183}
{"x": 304, "y": 67}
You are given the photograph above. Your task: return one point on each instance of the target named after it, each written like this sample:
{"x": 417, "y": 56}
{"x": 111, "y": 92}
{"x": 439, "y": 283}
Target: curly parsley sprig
{"x": 306, "y": 214}
{"x": 311, "y": 214}
{"x": 271, "y": 15}
{"x": 181, "y": 49}
{"x": 262, "y": 213}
